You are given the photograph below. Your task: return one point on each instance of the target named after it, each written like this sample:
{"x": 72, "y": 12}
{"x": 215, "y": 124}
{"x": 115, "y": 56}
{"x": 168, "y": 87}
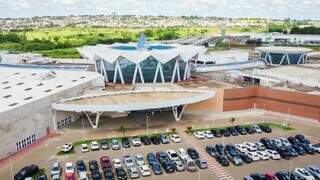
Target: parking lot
{"x": 46, "y": 154}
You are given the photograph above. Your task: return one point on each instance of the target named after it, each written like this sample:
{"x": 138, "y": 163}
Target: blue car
{"x": 156, "y": 169}
{"x": 151, "y": 158}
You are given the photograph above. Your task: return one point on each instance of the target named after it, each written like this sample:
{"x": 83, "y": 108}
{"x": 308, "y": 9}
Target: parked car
{"x": 233, "y": 155}
{"x": 127, "y": 161}
{"x": 273, "y": 154}
{"x": 156, "y": 168}
{"x": 253, "y": 155}
{"x": 172, "y": 155}
{"x": 94, "y": 146}
{"x": 116, "y": 163}
{"x": 108, "y": 174}
{"x": 208, "y": 134}
{"x": 268, "y": 143}
{"x": 161, "y": 156}
{"x": 222, "y": 160}
{"x": 133, "y": 172}
{"x": 293, "y": 140}
{"x": 151, "y": 158}
{"x": 135, "y": 140}
{"x": 105, "y": 162}
{"x": 211, "y": 151}
{"x": 246, "y": 158}
{"x": 145, "y": 140}
{"x": 260, "y": 146}
{"x": 178, "y": 165}
{"x": 304, "y": 174}
{"x": 104, "y": 145}
{"x": 250, "y": 130}
{"x": 220, "y": 149}
{"x": 307, "y": 148}
{"x": 256, "y": 128}
{"x": 263, "y": 155}
{"x": 202, "y": 164}
{"x": 175, "y": 138}
{"x": 67, "y": 147}
{"x": 241, "y": 148}
{"x": 190, "y": 165}
{"x": 145, "y": 170}
{"x": 258, "y": 176}
{"x": 270, "y": 175}
{"x": 55, "y": 169}
{"x": 182, "y": 153}
{"x": 241, "y": 130}
{"x": 216, "y": 133}
{"x": 70, "y": 176}
{"x": 199, "y": 134}
{"x": 298, "y": 149}
{"x": 139, "y": 159}
{"x": 55, "y": 177}
{"x": 193, "y": 153}
{"x": 250, "y": 146}
{"x": 84, "y": 148}
{"x": 155, "y": 140}
{"x": 282, "y": 175}
{"x": 233, "y": 131}
{"x": 314, "y": 170}
{"x": 265, "y": 128}
{"x": 168, "y": 166}
{"x": 302, "y": 139}
{"x": 226, "y": 133}
{"x": 164, "y": 139}
{"x": 83, "y": 176}
{"x": 284, "y": 153}
{"x": 27, "y": 171}
{"x": 115, "y": 145}
{"x": 121, "y": 174}
{"x": 125, "y": 142}
{"x": 95, "y": 175}
{"x": 81, "y": 166}
{"x": 93, "y": 165}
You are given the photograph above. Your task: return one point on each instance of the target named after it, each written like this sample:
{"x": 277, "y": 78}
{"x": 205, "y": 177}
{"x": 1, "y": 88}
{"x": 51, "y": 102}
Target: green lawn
{"x": 71, "y": 53}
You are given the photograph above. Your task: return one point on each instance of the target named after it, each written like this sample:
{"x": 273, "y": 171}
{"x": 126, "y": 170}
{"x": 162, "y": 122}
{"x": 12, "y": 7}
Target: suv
{"x": 26, "y": 172}
{"x": 172, "y": 155}
{"x": 56, "y": 169}
{"x": 233, "y": 155}
{"x": 161, "y": 156}
{"x": 193, "y": 153}
{"x": 105, "y": 162}
{"x": 182, "y": 154}
{"x": 135, "y": 140}
{"x": 145, "y": 140}
{"x": 125, "y": 142}
{"x": 81, "y": 166}
{"x": 190, "y": 165}
{"x": 164, "y": 139}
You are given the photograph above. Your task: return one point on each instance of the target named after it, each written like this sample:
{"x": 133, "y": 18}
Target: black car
{"x": 258, "y": 176}
{"x": 220, "y": 149}
{"x": 193, "y": 153}
{"x": 268, "y": 143}
{"x": 161, "y": 156}
{"x": 294, "y": 176}
{"x": 247, "y": 159}
{"x": 26, "y": 172}
{"x": 299, "y": 149}
{"x": 233, "y": 131}
{"x": 93, "y": 165}
{"x": 307, "y": 148}
{"x": 293, "y": 152}
{"x": 241, "y": 130}
{"x": 108, "y": 174}
{"x": 121, "y": 174}
{"x": 265, "y": 128}
{"x": 226, "y": 133}
{"x": 168, "y": 167}
{"x": 211, "y": 151}
{"x": 96, "y": 175}
{"x": 81, "y": 166}
{"x": 222, "y": 160}
{"x": 42, "y": 177}
{"x": 284, "y": 153}
{"x": 249, "y": 130}
{"x": 216, "y": 133}
{"x": 155, "y": 140}
{"x": 282, "y": 175}
{"x": 302, "y": 139}
{"x": 156, "y": 168}
{"x": 125, "y": 142}
{"x": 145, "y": 140}
{"x": 293, "y": 140}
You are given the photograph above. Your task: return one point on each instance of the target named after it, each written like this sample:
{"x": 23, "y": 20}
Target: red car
{"x": 70, "y": 176}
{"x": 105, "y": 162}
{"x": 271, "y": 176}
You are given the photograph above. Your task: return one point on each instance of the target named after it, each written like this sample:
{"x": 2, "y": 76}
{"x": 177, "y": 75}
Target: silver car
{"x": 133, "y": 172}
{"x": 115, "y": 145}
{"x": 56, "y": 169}
{"x": 190, "y": 165}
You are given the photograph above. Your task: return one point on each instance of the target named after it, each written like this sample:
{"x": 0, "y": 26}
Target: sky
{"x": 277, "y": 9}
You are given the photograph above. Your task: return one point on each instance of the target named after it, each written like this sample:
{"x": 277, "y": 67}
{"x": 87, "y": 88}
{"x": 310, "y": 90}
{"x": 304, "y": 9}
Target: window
{"x": 16, "y": 73}
{"x": 40, "y": 84}
{"x": 62, "y": 123}
{"x": 7, "y": 96}
{"x": 27, "y": 89}
{"x": 13, "y": 104}
{"x": 33, "y": 74}
{"x": 74, "y": 80}
{"x": 82, "y": 77}
{"x": 48, "y": 90}
{"x": 20, "y": 83}
{"x": 8, "y": 87}
{"x": 59, "y": 86}
{"x": 5, "y": 82}
{"x": 27, "y": 98}
{"x": 26, "y": 142}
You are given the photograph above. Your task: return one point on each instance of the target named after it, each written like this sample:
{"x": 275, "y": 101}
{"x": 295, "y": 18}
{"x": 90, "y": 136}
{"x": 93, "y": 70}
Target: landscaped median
{"x": 88, "y": 141}
{"x": 284, "y": 127}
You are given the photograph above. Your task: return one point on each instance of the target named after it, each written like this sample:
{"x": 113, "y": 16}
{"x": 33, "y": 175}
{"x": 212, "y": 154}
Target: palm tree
{"x": 122, "y": 129}
{"x": 173, "y": 130}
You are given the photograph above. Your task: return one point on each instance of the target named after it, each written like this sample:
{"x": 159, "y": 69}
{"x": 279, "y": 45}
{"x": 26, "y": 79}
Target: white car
{"x": 172, "y": 155}
{"x": 273, "y": 154}
{"x": 127, "y": 161}
{"x": 133, "y": 172}
{"x": 260, "y": 146}
{"x": 254, "y": 156}
{"x": 208, "y": 134}
{"x": 84, "y": 148}
{"x": 263, "y": 155}
{"x": 179, "y": 165}
{"x": 135, "y": 141}
{"x": 250, "y": 146}
{"x": 69, "y": 168}
{"x": 145, "y": 170}
{"x": 257, "y": 128}
{"x": 175, "y": 138}
{"x": 94, "y": 146}
{"x": 139, "y": 159}
{"x": 199, "y": 134}
{"x": 285, "y": 142}
{"x": 83, "y": 176}
{"x": 304, "y": 174}
{"x": 67, "y": 147}
{"x": 241, "y": 148}
{"x": 182, "y": 154}
{"x": 116, "y": 163}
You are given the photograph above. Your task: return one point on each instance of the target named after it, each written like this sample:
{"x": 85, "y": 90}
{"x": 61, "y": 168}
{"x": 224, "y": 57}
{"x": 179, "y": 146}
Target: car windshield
{"x": 55, "y": 168}
{"x": 174, "y": 155}
{"x": 69, "y": 167}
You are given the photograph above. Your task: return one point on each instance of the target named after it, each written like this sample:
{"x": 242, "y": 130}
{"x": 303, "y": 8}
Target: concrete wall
{"x": 33, "y": 118}
{"x": 215, "y": 103}
{"x": 300, "y": 104}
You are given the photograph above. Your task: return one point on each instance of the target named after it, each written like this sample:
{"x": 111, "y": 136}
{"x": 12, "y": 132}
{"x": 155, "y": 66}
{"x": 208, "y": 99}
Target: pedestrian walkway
{"x": 215, "y": 167}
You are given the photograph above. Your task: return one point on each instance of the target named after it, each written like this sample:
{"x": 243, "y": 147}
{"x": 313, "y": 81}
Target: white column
{"x": 288, "y": 58}
{"x": 54, "y": 118}
{"x": 104, "y": 70}
{"x": 96, "y": 124}
{"x": 174, "y": 72}
{"x": 283, "y": 57}
{"x": 186, "y": 70}
{"x": 135, "y": 74}
{"x": 177, "y": 115}
{"x": 301, "y": 59}
{"x": 140, "y": 72}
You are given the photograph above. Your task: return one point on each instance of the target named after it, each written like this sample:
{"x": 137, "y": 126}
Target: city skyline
{"x": 294, "y": 9}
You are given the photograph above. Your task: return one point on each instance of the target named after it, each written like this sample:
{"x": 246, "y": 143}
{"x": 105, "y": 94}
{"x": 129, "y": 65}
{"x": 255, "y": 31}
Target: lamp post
{"x": 82, "y": 128}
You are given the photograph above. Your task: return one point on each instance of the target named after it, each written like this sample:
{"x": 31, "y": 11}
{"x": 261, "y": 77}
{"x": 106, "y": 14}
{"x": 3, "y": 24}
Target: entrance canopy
{"x": 136, "y": 100}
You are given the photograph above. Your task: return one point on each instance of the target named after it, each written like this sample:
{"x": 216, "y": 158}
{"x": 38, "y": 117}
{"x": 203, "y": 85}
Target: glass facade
{"x": 127, "y": 69}
{"x": 277, "y": 57}
{"x": 148, "y": 68}
{"x": 167, "y": 69}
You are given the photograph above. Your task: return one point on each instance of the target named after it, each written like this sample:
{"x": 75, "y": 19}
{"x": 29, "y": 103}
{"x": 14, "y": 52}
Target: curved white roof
{"x": 110, "y": 54}
{"x": 284, "y": 49}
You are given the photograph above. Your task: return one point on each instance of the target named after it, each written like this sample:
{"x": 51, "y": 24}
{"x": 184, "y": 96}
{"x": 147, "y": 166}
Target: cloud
{"x": 295, "y": 9}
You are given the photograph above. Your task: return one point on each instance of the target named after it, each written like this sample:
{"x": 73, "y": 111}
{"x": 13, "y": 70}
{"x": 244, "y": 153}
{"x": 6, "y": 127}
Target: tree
{"x": 122, "y": 129}
{"x": 173, "y": 130}
{"x": 189, "y": 128}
